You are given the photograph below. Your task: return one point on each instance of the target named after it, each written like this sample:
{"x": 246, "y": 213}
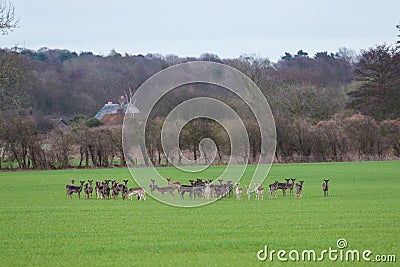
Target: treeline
{"x": 327, "y": 107}
{"x": 356, "y": 137}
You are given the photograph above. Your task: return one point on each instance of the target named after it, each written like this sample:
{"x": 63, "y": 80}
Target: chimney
{"x": 109, "y": 101}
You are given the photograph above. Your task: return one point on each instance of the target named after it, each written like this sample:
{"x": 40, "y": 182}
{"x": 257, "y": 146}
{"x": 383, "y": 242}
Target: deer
{"x": 115, "y": 189}
{"x": 140, "y": 192}
{"x": 123, "y": 187}
{"x": 325, "y": 187}
{"x": 272, "y": 189}
{"x": 167, "y": 189}
{"x": 74, "y": 189}
{"x": 99, "y": 190}
{"x": 186, "y": 188}
{"x": 291, "y": 186}
{"x": 248, "y": 190}
{"x": 207, "y": 191}
{"x": 259, "y": 192}
{"x": 106, "y": 189}
{"x": 299, "y": 189}
{"x": 239, "y": 191}
{"x": 284, "y": 186}
{"x": 152, "y": 186}
{"x": 176, "y": 184}
{"x": 88, "y": 189}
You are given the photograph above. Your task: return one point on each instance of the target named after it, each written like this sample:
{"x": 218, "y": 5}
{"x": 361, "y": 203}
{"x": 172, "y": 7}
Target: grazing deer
{"x": 325, "y": 187}
{"x": 272, "y": 189}
{"x": 74, "y": 189}
{"x": 239, "y": 191}
{"x": 299, "y": 190}
{"x": 140, "y": 192}
{"x": 248, "y": 192}
{"x": 167, "y": 189}
{"x": 259, "y": 192}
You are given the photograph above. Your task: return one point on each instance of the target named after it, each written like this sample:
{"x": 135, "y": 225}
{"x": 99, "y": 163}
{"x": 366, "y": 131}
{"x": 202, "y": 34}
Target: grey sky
{"x": 190, "y": 28}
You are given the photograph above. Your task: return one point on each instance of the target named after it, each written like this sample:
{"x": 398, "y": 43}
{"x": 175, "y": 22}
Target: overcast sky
{"x": 228, "y": 28}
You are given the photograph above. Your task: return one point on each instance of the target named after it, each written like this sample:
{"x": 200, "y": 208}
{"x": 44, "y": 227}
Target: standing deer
{"x": 167, "y": 189}
{"x": 115, "y": 189}
{"x": 248, "y": 191}
{"x": 291, "y": 186}
{"x": 99, "y": 190}
{"x": 152, "y": 188}
{"x": 176, "y": 184}
{"x": 272, "y": 189}
{"x": 106, "y": 189}
{"x": 74, "y": 189}
{"x": 207, "y": 191}
{"x": 284, "y": 186}
{"x": 325, "y": 187}
{"x": 89, "y": 189}
{"x": 239, "y": 191}
{"x": 259, "y": 192}
{"x": 299, "y": 189}
{"x": 123, "y": 187}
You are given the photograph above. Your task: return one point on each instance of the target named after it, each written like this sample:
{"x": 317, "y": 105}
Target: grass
{"x": 39, "y": 227}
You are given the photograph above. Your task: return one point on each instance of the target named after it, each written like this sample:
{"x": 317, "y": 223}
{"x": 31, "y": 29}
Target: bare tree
{"x": 14, "y": 81}
{"x": 8, "y": 20}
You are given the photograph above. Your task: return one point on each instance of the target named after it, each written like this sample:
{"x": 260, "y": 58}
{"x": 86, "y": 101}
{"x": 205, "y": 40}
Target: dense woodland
{"x": 337, "y": 106}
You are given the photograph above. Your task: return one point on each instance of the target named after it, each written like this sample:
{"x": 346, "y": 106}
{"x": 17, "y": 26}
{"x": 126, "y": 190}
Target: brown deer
{"x": 74, "y": 189}
{"x": 325, "y": 187}
{"x": 123, "y": 187}
{"x": 167, "y": 189}
{"x": 299, "y": 190}
{"x": 89, "y": 189}
{"x": 272, "y": 189}
{"x": 152, "y": 187}
{"x": 115, "y": 189}
{"x": 291, "y": 187}
{"x": 284, "y": 186}
{"x": 140, "y": 192}
{"x": 176, "y": 184}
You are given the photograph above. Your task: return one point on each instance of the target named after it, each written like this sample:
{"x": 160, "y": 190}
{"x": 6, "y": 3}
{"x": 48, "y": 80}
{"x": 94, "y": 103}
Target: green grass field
{"x": 40, "y": 227}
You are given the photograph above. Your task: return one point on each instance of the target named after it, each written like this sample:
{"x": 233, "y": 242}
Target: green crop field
{"x": 40, "y": 227}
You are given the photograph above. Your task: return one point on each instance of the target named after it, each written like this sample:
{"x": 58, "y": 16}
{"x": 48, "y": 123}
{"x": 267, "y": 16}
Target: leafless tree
{"x": 8, "y": 20}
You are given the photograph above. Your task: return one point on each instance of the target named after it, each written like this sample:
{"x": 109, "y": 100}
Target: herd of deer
{"x": 197, "y": 189}
{"x": 104, "y": 191}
